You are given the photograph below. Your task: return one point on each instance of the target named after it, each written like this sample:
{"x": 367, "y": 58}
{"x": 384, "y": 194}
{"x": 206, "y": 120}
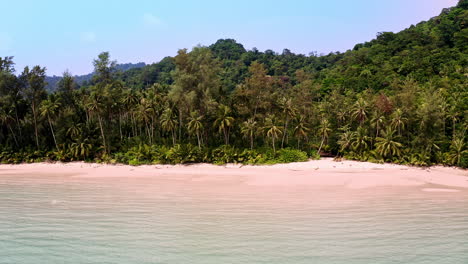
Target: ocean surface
{"x": 68, "y": 219}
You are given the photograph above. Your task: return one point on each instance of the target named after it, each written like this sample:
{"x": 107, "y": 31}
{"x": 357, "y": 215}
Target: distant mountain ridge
{"x": 52, "y": 81}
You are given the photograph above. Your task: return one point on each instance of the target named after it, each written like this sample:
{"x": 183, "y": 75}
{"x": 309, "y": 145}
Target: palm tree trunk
{"x": 13, "y": 134}
{"x": 321, "y": 144}
{"x": 198, "y": 139}
{"x": 102, "y": 133}
{"x": 52, "y": 130}
{"x": 251, "y": 141}
{"x": 35, "y": 125}
{"x": 285, "y": 134}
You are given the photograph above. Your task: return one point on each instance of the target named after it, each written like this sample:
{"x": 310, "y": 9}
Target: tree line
{"x": 401, "y": 98}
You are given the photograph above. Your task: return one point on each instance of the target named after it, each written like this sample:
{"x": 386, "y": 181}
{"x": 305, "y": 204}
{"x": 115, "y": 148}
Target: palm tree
{"x": 95, "y": 106}
{"x": 378, "y": 120}
{"x": 7, "y": 117}
{"x": 346, "y": 139}
{"x": 81, "y": 149}
{"x": 272, "y": 131}
{"x": 75, "y": 130}
{"x": 169, "y": 123}
{"x": 249, "y": 129}
{"x": 457, "y": 151}
{"x": 359, "y": 111}
{"x": 398, "y": 121}
{"x": 324, "y": 131}
{"x": 48, "y": 109}
{"x": 224, "y": 122}
{"x": 195, "y": 125}
{"x": 359, "y": 141}
{"x": 386, "y": 145}
{"x": 289, "y": 111}
{"x": 301, "y": 129}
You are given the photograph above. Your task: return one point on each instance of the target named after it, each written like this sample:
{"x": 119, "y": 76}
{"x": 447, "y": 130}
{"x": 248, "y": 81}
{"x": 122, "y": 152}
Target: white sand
{"x": 324, "y": 172}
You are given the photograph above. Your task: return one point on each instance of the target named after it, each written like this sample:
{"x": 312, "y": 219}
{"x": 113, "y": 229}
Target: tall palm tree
{"x": 96, "y": 106}
{"x": 387, "y": 146}
{"x": 359, "y": 111}
{"x": 249, "y": 129}
{"x": 272, "y": 131}
{"x": 324, "y": 132}
{"x": 378, "y": 121}
{"x": 195, "y": 125}
{"x": 289, "y": 111}
{"x": 224, "y": 122}
{"x": 169, "y": 123}
{"x": 398, "y": 121}
{"x": 49, "y": 109}
{"x": 301, "y": 130}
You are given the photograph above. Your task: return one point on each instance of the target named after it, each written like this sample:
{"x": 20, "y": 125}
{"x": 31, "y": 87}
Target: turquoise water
{"x": 66, "y": 219}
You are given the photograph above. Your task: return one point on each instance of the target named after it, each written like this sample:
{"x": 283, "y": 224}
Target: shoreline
{"x": 323, "y": 172}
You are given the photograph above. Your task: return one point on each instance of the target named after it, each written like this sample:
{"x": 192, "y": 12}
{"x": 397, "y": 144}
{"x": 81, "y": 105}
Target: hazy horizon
{"x": 70, "y": 35}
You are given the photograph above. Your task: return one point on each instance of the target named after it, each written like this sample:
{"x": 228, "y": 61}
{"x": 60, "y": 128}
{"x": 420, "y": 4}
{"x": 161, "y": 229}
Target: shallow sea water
{"x": 68, "y": 219}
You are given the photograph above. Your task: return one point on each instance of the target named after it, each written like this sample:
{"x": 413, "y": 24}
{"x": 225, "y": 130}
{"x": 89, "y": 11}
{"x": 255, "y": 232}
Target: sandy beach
{"x": 324, "y": 172}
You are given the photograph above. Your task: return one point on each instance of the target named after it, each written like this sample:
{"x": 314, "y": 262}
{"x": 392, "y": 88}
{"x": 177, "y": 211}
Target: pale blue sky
{"x": 61, "y": 34}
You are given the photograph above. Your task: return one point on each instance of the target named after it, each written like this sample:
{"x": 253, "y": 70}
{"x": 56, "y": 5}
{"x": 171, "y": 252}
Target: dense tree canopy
{"x": 401, "y": 97}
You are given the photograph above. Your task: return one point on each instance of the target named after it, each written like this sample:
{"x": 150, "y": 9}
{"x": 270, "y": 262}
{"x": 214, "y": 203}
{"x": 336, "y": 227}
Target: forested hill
{"x": 430, "y": 49}
{"x": 401, "y": 97}
{"x": 52, "y": 81}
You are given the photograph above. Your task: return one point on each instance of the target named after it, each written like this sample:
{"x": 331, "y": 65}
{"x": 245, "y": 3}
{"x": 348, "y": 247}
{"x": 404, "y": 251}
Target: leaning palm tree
{"x": 49, "y": 109}
{"x": 324, "y": 132}
{"x": 272, "y": 131}
{"x": 224, "y": 122}
{"x": 195, "y": 125}
{"x": 169, "y": 123}
{"x": 249, "y": 129}
{"x": 301, "y": 130}
{"x": 346, "y": 139}
{"x": 386, "y": 145}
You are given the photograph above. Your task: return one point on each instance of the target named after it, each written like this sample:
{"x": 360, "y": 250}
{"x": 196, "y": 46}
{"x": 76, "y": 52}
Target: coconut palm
{"x": 386, "y": 145}
{"x": 224, "y": 122}
{"x": 457, "y": 151}
{"x": 195, "y": 125}
{"x": 346, "y": 139}
{"x": 324, "y": 132}
{"x": 7, "y": 117}
{"x": 49, "y": 109}
{"x": 249, "y": 129}
{"x": 289, "y": 111}
{"x": 169, "y": 123}
{"x": 359, "y": 111}
{"x": 96, "y": 106}
{"x": 359, "y": 140}
{"x": 378, "y": 121}
{"x": 301, "y": 130}
{"x": 272, "y": 131}
{"x": 398, "y": 121}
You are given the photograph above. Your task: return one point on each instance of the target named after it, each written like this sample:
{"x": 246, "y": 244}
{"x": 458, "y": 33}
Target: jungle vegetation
{"x": 401, "y": 97}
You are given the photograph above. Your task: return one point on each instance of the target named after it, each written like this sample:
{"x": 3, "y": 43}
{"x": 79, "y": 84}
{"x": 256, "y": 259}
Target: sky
{"x": 61, "y": 35}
